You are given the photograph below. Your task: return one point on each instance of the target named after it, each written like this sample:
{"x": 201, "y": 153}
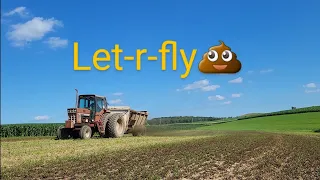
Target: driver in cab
{"x": 92, "y": 105}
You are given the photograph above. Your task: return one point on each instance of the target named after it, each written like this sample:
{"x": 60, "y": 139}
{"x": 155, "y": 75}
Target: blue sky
{"x": 277, "y": 42}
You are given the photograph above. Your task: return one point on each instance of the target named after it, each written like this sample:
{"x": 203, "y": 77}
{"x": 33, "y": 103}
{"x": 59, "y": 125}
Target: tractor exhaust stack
{"x": 76, "y": 98}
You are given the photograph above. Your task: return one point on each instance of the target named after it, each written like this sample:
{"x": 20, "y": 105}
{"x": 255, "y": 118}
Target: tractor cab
{"x": 88, "y": 107}
{"x": 92, "y": 102}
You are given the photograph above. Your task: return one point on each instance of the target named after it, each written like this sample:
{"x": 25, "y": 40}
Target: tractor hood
{"x": 78, "y": 115}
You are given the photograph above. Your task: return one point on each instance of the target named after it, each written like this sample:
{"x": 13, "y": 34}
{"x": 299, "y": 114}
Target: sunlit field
{"x": 255, "y": 149}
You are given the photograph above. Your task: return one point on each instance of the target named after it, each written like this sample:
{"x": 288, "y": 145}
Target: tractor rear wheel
{"x": 116, "y": 125}
{"x": 62, "y": 133}
{"x": 105, "y": 119}
{"x": 139, "y": 130}
{"x": 85, "y": 132}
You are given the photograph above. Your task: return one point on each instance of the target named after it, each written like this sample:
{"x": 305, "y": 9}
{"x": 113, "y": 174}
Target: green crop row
{"x": 13, "y": 130}
{"x": 291, "y": 111}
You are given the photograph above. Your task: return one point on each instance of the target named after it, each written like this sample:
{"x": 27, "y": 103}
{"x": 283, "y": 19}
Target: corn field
{"x": 13, "y": 130}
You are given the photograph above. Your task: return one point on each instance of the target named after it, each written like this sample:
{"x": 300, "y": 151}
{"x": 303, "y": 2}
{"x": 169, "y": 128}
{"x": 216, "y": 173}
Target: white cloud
{"x": 196, "y": 85}
{"x": 56, "y": 42}
{"x": 35, "y": 29}
{"x": 310, "y": 85}
{"x": 210, "y": 88}
{"x": 118, "y": 94}
{"x": 21, "y": 11}
{"x": 236, "y": 95}
{"x": 39, "y": 118}
{"x": 312, "y": 91}
{"x": 250, "y": 72}
{"x": 227, "y": 102}
{"x": 115, "y": 101}
{"x": 202, "y": 85}
{"x": 266, "y": 70}
{"x": 216, "y": 97}
{"x": 237, "y": 80}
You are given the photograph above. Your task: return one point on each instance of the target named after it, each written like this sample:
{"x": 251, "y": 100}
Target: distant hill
{"x": 189, "y": 119}
{"x": 284, "y": 112}
{"x": 298, "y": 122}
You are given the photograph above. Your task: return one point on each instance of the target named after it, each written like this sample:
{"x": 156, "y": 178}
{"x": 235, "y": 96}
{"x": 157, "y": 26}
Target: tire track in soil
{"x": 247, "y": 163}
{"x": 247, "y": 167}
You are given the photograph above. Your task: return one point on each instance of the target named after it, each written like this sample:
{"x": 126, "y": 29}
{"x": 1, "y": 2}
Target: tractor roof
{"x": 92, "y": 95}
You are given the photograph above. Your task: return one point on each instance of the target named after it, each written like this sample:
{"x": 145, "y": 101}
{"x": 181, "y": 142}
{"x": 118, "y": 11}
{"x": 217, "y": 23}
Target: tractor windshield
{"x": 87, "y": 102}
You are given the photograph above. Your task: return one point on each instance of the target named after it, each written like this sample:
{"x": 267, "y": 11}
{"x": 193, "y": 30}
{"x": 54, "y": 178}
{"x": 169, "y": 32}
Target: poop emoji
{"x": 219, "y": 60}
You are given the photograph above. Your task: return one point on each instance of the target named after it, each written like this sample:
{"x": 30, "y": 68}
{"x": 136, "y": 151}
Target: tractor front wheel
{"x": 85, "y": 132}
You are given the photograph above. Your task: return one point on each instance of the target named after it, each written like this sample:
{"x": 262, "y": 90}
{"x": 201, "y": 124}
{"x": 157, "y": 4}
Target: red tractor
{"x": 92, "y": 114}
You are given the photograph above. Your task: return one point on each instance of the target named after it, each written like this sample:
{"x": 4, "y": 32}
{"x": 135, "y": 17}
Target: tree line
{"x": 182, "y": 119}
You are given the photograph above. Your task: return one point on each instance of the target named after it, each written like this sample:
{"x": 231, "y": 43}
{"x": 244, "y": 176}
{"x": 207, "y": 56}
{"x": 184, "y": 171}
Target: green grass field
{"x": 308, "y": 122}
{"x": 233, "y": 150}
